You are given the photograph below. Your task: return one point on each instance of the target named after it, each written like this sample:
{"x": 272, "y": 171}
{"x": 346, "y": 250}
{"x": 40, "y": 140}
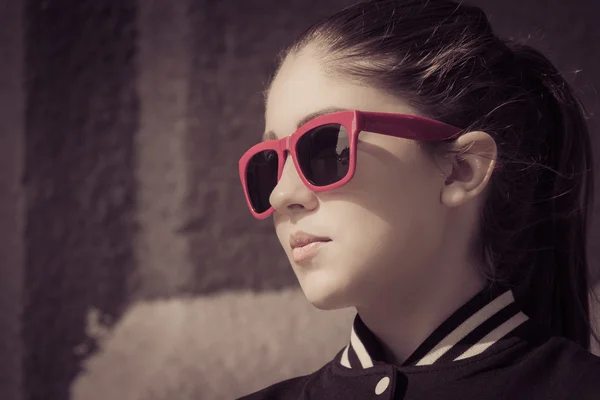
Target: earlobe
{"x": 472, "y": 165}
{"x": 453, "y": 195}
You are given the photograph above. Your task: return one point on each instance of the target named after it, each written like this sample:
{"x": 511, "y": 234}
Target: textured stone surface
{"x": 161, "y": 166}
{"x": 216, "y": 347}
{"x": 12, "y": 125}
{"x": 81, "y": 117}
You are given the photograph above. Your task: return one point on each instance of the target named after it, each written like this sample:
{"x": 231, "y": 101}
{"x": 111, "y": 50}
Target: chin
{"x": 327, "y": 304}
{"x": 325, "y": 295}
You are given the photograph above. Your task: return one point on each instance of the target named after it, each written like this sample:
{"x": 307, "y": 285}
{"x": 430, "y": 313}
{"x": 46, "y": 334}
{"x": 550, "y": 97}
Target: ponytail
{"x": 553, "y": 285}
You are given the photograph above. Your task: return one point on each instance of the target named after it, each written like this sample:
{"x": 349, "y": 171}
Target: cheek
{"x": 388, "y": 254}
{"x": 392, "y": 189}
{"x": 396, "y": 214}
{"x": 282, "y": 233}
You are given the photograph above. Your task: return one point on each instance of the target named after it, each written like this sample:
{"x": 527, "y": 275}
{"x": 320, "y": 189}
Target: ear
{"x": 468, "y": 168}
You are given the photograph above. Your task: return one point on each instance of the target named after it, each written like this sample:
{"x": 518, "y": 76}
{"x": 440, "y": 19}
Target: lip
{"x": 305, "y": 246}
{"x": 301, "y": 239}
{"x": 305, "y": 253}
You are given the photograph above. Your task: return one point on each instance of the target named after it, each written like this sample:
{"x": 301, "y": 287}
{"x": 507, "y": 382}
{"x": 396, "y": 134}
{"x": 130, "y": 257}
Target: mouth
{"x": 304, "y": 253}
{"x": 305, "y": 246}
{"x": 301, "y": 239}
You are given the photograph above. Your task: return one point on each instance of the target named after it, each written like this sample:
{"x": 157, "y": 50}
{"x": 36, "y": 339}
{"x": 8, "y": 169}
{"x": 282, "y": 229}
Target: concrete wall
{"x": 81, "y": 117}
{"x": 126, "y": 235}
{"x": 12, "y": 126}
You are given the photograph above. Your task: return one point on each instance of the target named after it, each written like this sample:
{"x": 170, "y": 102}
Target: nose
{"x": 290, "y": 195}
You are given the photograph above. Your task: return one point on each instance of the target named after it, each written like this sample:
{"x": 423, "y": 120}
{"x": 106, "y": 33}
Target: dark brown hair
{"x": 445, "y": 60}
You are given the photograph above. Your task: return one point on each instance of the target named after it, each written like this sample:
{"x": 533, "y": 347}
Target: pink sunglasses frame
{"x": 397, "y": 125}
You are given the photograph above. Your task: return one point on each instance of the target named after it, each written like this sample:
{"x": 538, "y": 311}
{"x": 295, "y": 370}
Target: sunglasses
{"x": 324, "y": 151}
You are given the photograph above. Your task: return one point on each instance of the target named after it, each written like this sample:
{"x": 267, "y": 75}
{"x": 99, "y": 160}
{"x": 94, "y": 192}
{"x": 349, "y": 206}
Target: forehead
{"x": 301, "y": 88}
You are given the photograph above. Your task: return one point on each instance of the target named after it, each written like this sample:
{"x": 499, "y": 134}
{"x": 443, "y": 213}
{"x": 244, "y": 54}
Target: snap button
{"x": 382, "y": 385}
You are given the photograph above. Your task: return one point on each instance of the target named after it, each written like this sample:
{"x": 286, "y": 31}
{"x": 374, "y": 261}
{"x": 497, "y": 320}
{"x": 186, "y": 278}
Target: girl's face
{"x": 386, "y": 225}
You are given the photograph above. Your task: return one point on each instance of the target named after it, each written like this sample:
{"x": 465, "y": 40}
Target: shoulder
{"x": 288, "y": 389}
{"x": 566, "y": 356}
{"x": 293, "y": 388}
{"x": 573, "y": 355}
{"x": 578, "y": 367}
{"x": 548, "y": 367}
{"x": 587, "y": 385}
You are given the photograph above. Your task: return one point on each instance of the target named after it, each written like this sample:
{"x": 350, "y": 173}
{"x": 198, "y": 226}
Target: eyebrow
{"x": 270, "y": 135}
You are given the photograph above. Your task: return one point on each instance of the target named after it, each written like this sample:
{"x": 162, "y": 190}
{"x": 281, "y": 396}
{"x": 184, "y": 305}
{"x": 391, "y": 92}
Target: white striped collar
{"x": 489, "y": 317}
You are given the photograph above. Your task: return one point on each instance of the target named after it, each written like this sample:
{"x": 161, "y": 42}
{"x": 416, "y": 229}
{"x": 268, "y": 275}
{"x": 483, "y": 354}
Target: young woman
{"x": 437, "y": 179}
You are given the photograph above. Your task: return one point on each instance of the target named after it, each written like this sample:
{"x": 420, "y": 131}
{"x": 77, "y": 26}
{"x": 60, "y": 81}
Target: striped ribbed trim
{"x": 483, "y": 321}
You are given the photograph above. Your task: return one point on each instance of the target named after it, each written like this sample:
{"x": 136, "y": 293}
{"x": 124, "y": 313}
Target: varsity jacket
{"x": 488, "y": 349}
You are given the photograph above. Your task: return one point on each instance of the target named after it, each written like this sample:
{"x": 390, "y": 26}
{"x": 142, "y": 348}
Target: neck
{"x": 402, "y": 323}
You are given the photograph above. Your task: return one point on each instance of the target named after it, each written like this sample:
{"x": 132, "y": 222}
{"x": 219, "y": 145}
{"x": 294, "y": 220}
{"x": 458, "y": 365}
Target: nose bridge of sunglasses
{"x": 285, "y": 148}
{"x": 290, "y": 166}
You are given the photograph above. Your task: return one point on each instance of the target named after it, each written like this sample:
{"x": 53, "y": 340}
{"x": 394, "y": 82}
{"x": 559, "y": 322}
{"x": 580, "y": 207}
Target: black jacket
{"x": 488, "y": 349}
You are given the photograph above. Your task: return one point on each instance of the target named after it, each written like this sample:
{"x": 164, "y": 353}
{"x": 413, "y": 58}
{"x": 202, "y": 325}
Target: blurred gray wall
{"x": 121, "y": 127}
{"x": 12, "y": 126}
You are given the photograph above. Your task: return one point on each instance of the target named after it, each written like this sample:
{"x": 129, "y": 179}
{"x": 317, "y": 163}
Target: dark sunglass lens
{"x": 324, "y": 154}
{"x": 261, "y": 179}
